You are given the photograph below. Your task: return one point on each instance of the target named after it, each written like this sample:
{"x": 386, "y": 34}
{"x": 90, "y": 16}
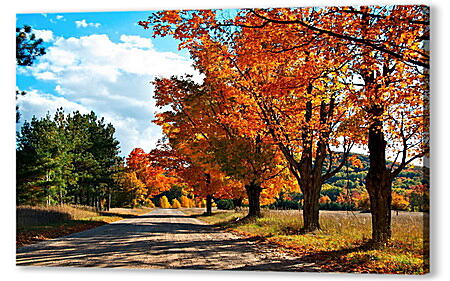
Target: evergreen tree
{"x": 68, "y": 159}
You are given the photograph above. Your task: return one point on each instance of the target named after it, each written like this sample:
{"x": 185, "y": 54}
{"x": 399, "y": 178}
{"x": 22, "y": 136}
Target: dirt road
{"x": 163, "y": 238}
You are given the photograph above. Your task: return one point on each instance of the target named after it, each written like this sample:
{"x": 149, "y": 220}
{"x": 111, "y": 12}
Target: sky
{"x": 99, "y": 61}
{"x": 102, "y": 62}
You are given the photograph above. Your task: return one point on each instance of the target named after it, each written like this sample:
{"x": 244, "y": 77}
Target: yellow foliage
{"x": 362, "y": 201}
{"x": 164, "y": 202}
{"x": 201, "y": 203}
{"x": 185, "y": 202}
{"x": 191, "y": 203}
{"x": 176, "y": 204}
{"x": 399, "y": 202}
{"x": 150, "y": 204}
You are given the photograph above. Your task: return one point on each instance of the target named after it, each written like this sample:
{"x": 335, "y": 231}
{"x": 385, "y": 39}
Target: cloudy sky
{"x": 102, "y": 62}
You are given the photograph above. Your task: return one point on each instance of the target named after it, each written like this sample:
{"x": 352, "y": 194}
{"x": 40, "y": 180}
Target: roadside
{"x": 35, "y": 224}
{"x": 161, "y": 239}
{"x": 341, "y": 244}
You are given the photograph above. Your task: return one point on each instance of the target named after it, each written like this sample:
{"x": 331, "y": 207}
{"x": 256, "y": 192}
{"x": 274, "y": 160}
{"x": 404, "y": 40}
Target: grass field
{"x": 340, "y": 245}
{"x": 38, "y": 223}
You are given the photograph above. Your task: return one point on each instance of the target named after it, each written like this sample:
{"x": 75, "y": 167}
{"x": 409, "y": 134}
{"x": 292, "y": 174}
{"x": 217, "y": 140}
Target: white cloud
{"x": 38, "y": 104}
{"x": 112, "y": 79}
{"x": 47, "y": 75}
{"x": 136, "y": 41}
{"x": 46, "y": 35}
{"x": 84, "y": 24}
{"x": 130, "y": 131}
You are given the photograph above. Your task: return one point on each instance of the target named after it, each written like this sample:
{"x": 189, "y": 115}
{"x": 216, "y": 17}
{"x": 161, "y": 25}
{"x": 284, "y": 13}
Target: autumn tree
{"x": 299, "y": 116}
{"x": 419, "y": 198}
{"x": 134, "y": 189}
{"x": 164, "y": 203}
{"x": 387, "y": 50}
{"x": 198, "y": 119}
{"x": 288, "y": 70}
{"x": 393, "y": 93}
{"x": 148, "y": 169}
{"x": 399, "y": 202}
{"x": 361, "y": 200}
{"x": 188, "y": 165}
{"x": 176, "y": 204}
{"x": 186, "y": 202}
{"x": 324, "y": 199}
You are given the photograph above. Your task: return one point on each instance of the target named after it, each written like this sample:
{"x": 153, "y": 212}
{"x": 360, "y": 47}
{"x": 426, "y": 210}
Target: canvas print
{"x": 265, "y": 139}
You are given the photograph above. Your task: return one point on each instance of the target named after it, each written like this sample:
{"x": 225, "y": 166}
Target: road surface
{"x": 163, "y": 238}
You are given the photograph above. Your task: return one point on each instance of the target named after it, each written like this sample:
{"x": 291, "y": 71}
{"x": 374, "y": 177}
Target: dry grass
{"x": 339, "y": 245}
{"x": 37, "y": 223}
{"x": 43, "y": 215}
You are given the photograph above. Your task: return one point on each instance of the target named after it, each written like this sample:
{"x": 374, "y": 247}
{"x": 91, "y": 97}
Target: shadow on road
{"x": 155, "y": 241}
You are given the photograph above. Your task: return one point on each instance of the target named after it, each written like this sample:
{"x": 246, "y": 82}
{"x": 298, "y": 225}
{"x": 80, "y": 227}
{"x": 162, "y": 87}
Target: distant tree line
{"x": 346, "y": 191}
{"x": 67, "y": 159}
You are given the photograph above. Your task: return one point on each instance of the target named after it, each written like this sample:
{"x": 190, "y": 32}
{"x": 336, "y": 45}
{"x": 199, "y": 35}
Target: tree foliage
{"x": 164, "y": 203}
{"x": 28, "y": 48}
{"x": 304, "y": 84}
{"x": 69, "y": 158}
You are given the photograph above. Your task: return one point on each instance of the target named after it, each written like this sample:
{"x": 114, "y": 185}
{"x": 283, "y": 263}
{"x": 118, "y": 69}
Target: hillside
{"x": 346, "y": 189}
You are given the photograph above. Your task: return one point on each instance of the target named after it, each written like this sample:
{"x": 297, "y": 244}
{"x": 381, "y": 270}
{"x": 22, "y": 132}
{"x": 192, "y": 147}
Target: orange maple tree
{"x": 196, "y": 126}
{"x": 311, "y": 80}
{"x": 152, "y": 175}
{"x": 280, "y": 98}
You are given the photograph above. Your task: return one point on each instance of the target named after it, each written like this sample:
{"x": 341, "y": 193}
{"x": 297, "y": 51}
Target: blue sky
{"x": 100, "y": 61}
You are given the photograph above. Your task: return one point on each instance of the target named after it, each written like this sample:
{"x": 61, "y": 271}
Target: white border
{"x": 440, "y": 48}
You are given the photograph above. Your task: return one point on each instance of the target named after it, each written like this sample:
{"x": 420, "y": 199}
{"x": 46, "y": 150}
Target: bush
{"x": 285, "y": 205}
{"x": 176, "y": 204}
{"x": 225, "y": 204}
{"x": 186, "y": 202}
{"x": 164, "y": 202}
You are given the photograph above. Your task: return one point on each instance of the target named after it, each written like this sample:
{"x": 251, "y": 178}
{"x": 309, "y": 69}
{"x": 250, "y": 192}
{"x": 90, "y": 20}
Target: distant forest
{"x": 346, "y": 190}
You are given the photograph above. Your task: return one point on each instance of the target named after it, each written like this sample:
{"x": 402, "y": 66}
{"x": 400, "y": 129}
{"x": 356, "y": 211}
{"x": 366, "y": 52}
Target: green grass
{"x": 340, "y": 245}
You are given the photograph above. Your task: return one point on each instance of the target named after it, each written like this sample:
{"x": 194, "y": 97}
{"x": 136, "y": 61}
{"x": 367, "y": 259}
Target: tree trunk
{"x": 208, "y": 205}
{"x": 311, "y": 196}
{"x": 108, "y": 205}
{"x": 380, "y": 207}
{"x": 254, "y": 204}
{"x": 379, "y": 184}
